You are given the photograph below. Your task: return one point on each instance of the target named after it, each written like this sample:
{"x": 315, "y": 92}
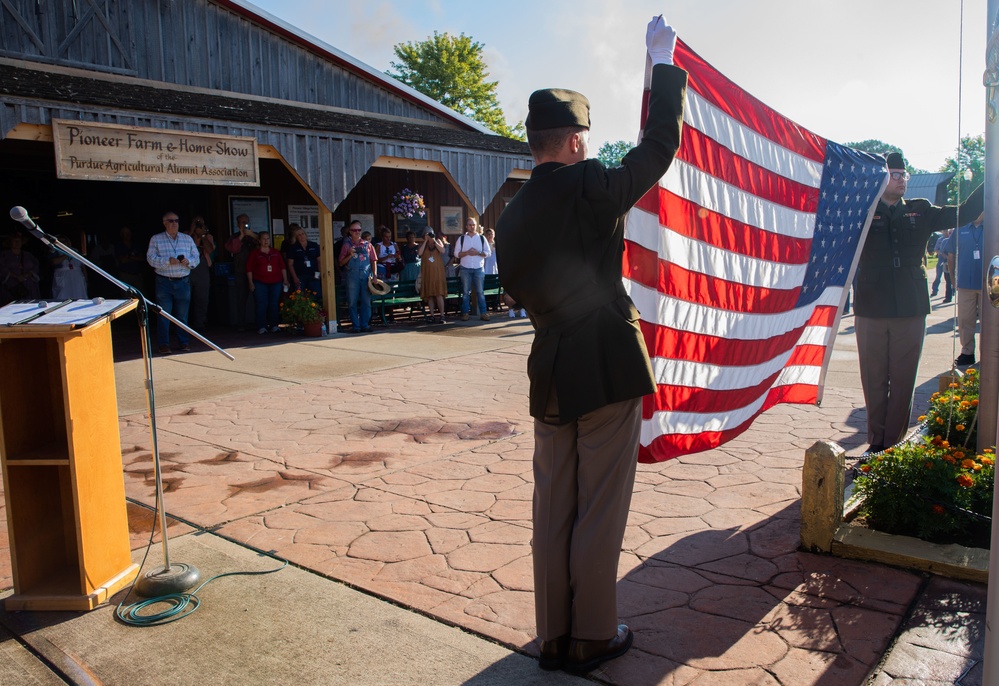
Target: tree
{"x": 876, "y": 147}
{"x": 970, "y": 156}
{"x": 611, "y": 153}
{"x": 450, "y": 69}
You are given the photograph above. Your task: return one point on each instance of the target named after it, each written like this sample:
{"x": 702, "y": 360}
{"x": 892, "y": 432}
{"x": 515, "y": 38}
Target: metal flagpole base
{"x": 163, "y": 581}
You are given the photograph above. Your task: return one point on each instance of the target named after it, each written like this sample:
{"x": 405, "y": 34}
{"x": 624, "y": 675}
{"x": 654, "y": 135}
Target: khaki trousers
{"x": 584, "y": 473}
{"x": 969, "y": 302}
{"x": 889, "y": 351}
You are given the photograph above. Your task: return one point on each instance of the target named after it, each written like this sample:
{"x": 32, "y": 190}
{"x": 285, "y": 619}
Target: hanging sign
{"x": 105, "y": 152}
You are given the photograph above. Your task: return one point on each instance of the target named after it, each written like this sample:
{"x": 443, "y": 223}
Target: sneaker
{"x": 262, "y": 329}
{"x": 273, "y": 329}
{"x": 513, "y": 314}
{"x": 523, "y": 314}
{"x": 964, "y": 360}
{"x": 464, "y": 316}
{"x": 484, "y": 317}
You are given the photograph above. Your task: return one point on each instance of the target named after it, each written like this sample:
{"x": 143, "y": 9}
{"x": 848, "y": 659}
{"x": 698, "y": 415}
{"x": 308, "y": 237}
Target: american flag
{"x": 739, "y": 260}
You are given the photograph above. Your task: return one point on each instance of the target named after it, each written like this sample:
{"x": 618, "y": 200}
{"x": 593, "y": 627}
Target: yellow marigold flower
{"x": 959, "y": 427}
{"x": 965, "y": 481}
{"x": 968, "y": 464}
{"x": 940, "y": 420}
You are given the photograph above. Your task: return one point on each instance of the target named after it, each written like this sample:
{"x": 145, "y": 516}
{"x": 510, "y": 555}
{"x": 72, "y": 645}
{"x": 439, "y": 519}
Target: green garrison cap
{"x": 554, "y": 108}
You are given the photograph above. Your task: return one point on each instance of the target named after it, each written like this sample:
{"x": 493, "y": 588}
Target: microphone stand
{"x": 171, "y": 577}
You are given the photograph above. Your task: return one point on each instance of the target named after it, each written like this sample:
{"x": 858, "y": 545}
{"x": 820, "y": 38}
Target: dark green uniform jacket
{"x": 891, "y": 280}
{"x": 559, "y": 248}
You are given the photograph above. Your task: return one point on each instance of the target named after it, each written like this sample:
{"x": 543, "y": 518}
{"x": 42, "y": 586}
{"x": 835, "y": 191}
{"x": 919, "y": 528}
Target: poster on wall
{"x": 367, "y": 222}
{"x": 451, "y": 220}
{"x": 257, "y": 208}
{"x": 306, "y": 216}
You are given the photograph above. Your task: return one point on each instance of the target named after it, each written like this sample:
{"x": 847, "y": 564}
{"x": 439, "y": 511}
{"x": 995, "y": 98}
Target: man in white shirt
{"x": 172, "y": 255}
{"x": 471, "y": 250}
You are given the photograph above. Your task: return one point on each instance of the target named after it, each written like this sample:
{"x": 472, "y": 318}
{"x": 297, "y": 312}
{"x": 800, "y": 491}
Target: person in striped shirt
{"x": 172, "y": 255}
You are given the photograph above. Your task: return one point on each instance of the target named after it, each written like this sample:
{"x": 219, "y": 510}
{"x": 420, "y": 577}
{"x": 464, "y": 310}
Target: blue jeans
{"x": 467, "y": 278}
{"x": 357, "y": 289}
{"x": 266, "y": 297}
{"x": 174, "y": 296}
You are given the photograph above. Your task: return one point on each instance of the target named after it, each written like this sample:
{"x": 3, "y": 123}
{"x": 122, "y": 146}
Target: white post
{"x": 988, "y": 409}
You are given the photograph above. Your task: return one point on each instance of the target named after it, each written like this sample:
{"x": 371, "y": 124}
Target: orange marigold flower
{"x": 949, "y": 459}
{"x": 939, "y": 509}
{"x": 970, "y": 372}
{"x": 936, "y": 440}
{"x": 987, "y": 460}
{"x": 968, "y": 464}
{"x": 944, "y": 444}
{"x": 989, "y": 450}
{"x": 959, "y": 454}
{"x": 974, "y": 402}
{"x": 965, "y": 405}
{"x": 922, "y": 418}
{"x": 953, "y": 385}
{"x": 940, "y": 420}
{"x": 965, "y": 480}
{"x": 977, "y": 468}
{"x": 959, "y": 427}
{"x": 928, "y": 465}
{"x": 865, "y": 468}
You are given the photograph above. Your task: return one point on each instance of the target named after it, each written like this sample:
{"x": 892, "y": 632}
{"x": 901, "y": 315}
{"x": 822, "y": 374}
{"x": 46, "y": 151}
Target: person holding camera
{"x": 172, "y": 255}
{"x": 358, "y": 263}
{"x": 433, "y": 284}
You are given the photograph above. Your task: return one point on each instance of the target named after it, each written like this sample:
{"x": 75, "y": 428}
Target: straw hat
{"x": 380, "y": 288}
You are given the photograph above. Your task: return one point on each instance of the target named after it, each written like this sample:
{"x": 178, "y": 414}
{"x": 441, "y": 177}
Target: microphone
{"x": 20, "y": 215}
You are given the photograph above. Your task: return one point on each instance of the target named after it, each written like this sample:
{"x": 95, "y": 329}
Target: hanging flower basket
{"x": 407, "y": 203}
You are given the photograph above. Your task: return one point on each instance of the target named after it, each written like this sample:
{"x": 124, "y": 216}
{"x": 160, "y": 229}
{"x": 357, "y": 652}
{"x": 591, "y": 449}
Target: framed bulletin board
{"x": 257, "y": 208}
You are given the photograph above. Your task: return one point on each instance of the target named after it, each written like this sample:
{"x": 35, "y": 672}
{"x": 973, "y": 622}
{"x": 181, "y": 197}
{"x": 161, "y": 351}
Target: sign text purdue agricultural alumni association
{"x": 104, "y": 152}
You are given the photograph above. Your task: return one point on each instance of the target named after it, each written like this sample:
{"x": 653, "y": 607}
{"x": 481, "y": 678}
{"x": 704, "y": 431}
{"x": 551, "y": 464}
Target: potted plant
{"x": 407, "y": 203}
{"x": 935, "y": 487}
{"x": 301, "y": 309}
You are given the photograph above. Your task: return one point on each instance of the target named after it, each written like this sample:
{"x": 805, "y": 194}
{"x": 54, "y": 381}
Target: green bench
{"x": 403, "y": 293}
{"x": 491, "y": 288}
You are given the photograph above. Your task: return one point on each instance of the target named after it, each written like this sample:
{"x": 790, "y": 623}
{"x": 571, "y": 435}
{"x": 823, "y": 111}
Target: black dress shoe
{"x": 964, "y": 360}
{"x": 585, "y": 656}
{"x": 553, "y": 653}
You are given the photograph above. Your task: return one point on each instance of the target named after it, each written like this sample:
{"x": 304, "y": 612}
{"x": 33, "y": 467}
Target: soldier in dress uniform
{"x": 559, "y": 248}
{"x": 891, "y": 300}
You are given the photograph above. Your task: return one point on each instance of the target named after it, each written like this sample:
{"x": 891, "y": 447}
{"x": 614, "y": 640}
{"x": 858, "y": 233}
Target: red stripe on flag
{"x": 694, "y": 221}
{"x": 673, "y": 344}
{"x": 707, "y": 82}
{"x": 668, "y": 446}
{"x": 715, "y": 159}
{"x": 644, "y": 266}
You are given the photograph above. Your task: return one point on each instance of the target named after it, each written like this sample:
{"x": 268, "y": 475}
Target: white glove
{"x": 660, "y": 40}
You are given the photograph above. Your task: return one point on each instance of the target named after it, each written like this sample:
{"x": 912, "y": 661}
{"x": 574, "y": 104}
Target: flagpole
{"x": 988, "y": 409}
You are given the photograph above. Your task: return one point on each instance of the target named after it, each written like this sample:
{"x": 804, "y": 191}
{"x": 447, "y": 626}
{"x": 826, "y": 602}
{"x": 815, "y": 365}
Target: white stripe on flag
{"x": 710, "y": 192}
{"x": 657, "y": 308}
{"x": 698, "y": 422}
{"x": 697, "y": 256}
{"x": 747, "y": 143}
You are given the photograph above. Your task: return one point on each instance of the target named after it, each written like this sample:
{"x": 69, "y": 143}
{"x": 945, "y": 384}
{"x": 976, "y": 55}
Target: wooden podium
{"x": 61, "y": 456}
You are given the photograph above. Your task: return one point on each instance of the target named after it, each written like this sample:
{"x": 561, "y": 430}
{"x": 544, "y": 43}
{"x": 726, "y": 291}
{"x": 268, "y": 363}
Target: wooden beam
{"x": 31, "y": 132}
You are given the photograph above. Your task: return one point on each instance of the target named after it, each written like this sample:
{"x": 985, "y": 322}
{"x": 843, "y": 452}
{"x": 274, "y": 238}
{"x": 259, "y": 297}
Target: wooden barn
{"x": 114, "y": 111}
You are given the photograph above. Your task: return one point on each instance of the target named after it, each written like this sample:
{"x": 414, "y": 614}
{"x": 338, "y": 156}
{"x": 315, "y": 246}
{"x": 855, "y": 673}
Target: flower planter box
{"x": 825, "y": 527}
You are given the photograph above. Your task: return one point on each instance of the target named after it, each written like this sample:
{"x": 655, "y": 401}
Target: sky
{"x": 848, "y": 70}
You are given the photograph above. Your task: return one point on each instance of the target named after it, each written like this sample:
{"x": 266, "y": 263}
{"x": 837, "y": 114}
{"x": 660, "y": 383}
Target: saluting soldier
{"x": 559, "y": 246}
{"x": 891, "y": 300}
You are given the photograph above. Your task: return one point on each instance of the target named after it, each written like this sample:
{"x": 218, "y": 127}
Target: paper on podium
{"x": 69, "y": 313}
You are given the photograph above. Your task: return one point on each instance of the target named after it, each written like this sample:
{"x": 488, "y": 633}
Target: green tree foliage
{"x": 450, "y": 69}
{"x": 876, "y": 147}
{"x": 971, "y": 155}
{"x": 611, "y": 153}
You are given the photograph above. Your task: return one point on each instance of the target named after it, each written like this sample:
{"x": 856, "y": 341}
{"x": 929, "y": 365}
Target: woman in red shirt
{"x": 266, "y": 274}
